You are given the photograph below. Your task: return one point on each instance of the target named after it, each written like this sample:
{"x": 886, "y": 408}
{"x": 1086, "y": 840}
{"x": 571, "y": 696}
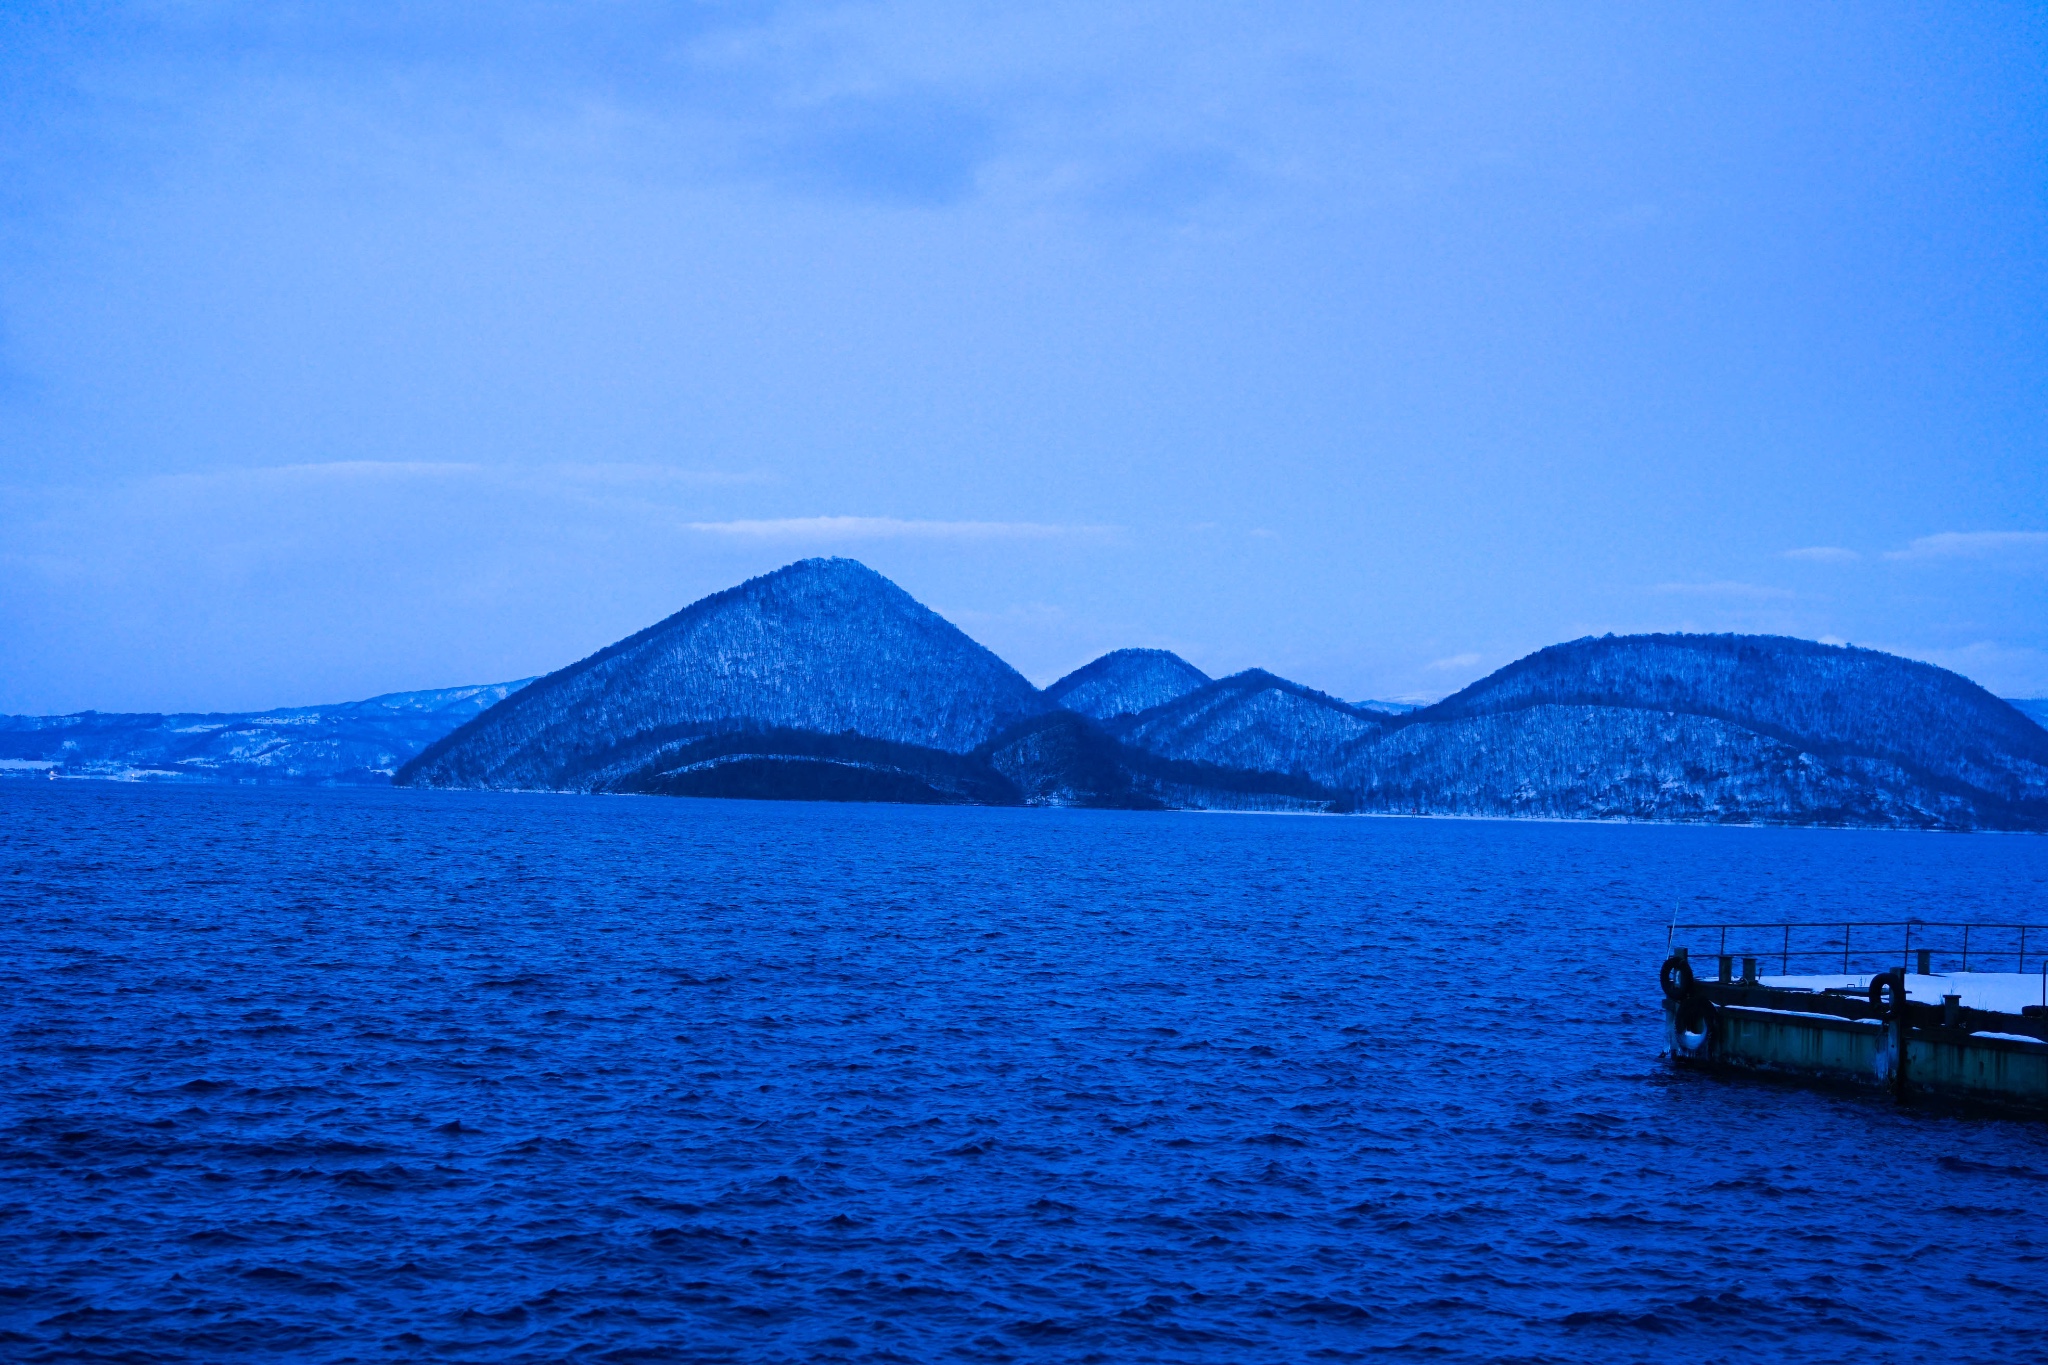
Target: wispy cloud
{"x": 1754, "y": 592}
{"x": 1457, "y": 661}
{"x": 1970, "y": 544}
{"x": 661, "y": 475}
{"x": 354, "y": 471}
{"x": 1823, "y": 554}
{"x": 889, "y": 528}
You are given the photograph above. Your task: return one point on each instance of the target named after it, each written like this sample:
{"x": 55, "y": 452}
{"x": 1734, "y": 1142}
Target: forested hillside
{"x": 1126, "y": 682}
{"x": 347, "y": 742}
{"x": 824, "y": 645}
{"x": 826, "y": 681}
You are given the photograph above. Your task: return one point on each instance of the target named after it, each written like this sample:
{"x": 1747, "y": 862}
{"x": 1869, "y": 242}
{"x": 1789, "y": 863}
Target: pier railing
{"x": 1856, "y": 947}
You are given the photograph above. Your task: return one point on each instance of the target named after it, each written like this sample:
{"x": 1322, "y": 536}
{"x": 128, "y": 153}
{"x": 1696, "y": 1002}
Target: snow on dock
{"x": 2001, "y": 992}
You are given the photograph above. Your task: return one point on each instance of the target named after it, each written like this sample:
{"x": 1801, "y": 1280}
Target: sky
{"x": 347, "y": 349}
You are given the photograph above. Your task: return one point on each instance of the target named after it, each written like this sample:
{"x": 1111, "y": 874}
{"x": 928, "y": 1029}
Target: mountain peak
{"x": 1125, "y": 682}
{"x": 821, "y": 645}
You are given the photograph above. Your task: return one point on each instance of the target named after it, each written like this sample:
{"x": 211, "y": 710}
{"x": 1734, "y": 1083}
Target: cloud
{"x": 1458, "y": 661}
{"x": 645, "y": 475}
{"x": 1970, "y": 544}
{"x": 1756, "y": 592}
{"x": 329, "y": 470}
{"x": 1823, "y": 554}
{"x": 888, "y": 528}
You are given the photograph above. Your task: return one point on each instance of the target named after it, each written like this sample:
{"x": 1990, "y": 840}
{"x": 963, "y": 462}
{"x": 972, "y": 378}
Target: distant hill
{"x": 823, "y": 646}
{"x": 354, "y": 742}
{"x": 1253, "y": 720}
{"x": 1715, "y": 727}
{"x": 1126, "y": 682}
{"x": 1064, "y": 759}
{"x": 825, "y": 681}
{"x": 1059, "y": 758}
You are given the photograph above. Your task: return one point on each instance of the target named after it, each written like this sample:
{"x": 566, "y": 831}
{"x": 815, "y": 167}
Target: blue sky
{"x": 351, "y": 349}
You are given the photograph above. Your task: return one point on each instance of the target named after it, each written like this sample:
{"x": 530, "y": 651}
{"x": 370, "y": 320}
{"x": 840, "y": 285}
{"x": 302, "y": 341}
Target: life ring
{"x": 1694, "y": 1027}
{"x": 1892, "y": 984}
{"x": 1676, "y": 977}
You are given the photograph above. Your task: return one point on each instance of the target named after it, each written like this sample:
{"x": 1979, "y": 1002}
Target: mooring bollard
{"x": 1951, "y": 1006}
{"x": 1727, "y": 968}
{"x": 1749, "y": 971}
{"x": 1924, "y": 955}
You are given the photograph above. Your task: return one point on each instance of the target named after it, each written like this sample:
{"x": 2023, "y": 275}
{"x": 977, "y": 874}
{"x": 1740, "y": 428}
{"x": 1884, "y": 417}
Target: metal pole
{"x": 1845, "y": 949}
{"x": 1785, "y": 962}
{"x": 1906, "y": 953}
{"x": 2023, "y": 948}
{"x": 1966, "y": 947}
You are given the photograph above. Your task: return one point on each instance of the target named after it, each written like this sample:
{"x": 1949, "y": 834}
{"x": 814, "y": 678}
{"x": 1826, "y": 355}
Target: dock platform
{"x": 1902, "y": 1026}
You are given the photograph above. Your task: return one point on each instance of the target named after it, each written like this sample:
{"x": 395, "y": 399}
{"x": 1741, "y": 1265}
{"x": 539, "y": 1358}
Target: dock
{"x": 1898, "y": 1006}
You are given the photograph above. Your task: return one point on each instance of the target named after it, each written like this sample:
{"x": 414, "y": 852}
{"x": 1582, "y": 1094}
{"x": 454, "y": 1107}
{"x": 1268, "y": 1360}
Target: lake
{"x": 343, "y": 1075}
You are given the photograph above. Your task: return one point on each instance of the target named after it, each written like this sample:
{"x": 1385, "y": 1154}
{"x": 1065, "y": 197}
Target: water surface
{"x": 383, "y": 1075}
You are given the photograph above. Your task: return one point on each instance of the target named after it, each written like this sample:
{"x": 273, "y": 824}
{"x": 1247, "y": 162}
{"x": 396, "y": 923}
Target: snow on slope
{"x": 1826, "y": 699}
{"x": 1253, "y": 720}
{"x": 1628, "y": 763}
{"x": 1126, "y": 682}
{"x": 822, "y": 645}
{"x": 357, "y": 741}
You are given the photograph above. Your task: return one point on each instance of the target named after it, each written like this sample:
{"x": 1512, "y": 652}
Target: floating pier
{"x": 1917, "y": 1022}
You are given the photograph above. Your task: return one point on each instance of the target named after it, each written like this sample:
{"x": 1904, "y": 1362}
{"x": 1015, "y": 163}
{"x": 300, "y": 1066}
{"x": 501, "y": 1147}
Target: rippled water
{"x": 362, "y": 1075}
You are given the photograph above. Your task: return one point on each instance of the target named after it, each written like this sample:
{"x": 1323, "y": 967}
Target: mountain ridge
{"x": 824, "y": 680}
{"x": 1126, "y": 682}
{"x": 347, "y": 743}
{"x": 774, "y": 651}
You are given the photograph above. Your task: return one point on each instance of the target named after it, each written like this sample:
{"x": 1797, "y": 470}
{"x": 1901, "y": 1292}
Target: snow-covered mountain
{"x": 347, "y": 742}
{"x": 1715, "y": 727}
{"x": 1126, "y": 682}
{"x": 826, "y": 681}
{"x": 1257, "y": 721}
{"x": 1065, "y": 759}
{"x": 1058, "y": 758}
{"x": 2034, "y": 709}
{"x": 822, "y": 646}
{"x": 1834, "y": 696}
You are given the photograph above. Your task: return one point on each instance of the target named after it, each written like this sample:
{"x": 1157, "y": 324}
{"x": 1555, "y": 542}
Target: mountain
{"x": 1126, "y": 682}
{"x": 348, "y": 742}
{"x": 1714, "y": 727}
{"x": 1065, "y": 759}
{"x": 1055, "y": 759}
{"x": 825, "y": 681}
{"x": 1253, "y": 720}
{"x": 2034, "y": 709}
{"x": 821, "y": 647}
